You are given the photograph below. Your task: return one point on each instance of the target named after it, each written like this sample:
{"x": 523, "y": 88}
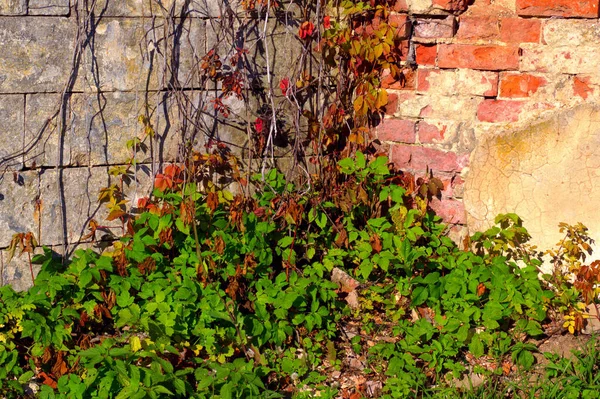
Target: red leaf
{"x": 306, "y": 30}
{"x": 284, "y": 85}
{"x": 259, "y": 125}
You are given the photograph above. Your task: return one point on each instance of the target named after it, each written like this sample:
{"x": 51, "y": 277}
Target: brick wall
{"x": 473, "y": 67}
{"x": 483, "y": 66}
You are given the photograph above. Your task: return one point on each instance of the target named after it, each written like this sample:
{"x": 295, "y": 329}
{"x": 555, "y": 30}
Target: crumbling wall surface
{"x": 81, "y": 80}
{"x": 491, "y": 100}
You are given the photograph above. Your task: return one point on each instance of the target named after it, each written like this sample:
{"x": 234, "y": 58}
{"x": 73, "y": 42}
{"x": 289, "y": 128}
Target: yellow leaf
{"x": 135, "y": 343}
{"x": 358, "y": 104}
{"x": 382, "y": 99}
{"x": 378, "y": 50}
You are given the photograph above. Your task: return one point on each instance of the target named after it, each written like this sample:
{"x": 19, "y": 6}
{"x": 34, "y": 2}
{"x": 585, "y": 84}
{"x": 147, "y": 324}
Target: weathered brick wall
{"x": 473, "y": 68}
{"x": 483, "y": 67}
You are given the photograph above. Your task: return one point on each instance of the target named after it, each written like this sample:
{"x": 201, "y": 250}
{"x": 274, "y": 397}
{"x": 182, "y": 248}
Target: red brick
{"x": 392, "y": 105}
{"x": 401, "y": 23}
{"x": 450, "y": 210}
{"x": 519, "y": 30}
{"x": 435, "y": 28}
{"x": 429, "y": 133}
{"x": 581, "y": 86}
{"x": 558, "y": 8}
{"x": 422, "y": 78}
{"x": 452, "y": 5}
{"x": 426, "y": 54}
{"x": 407, "y": 80}
{"x": 401, "y": 6}
{"x": 421, "y": 158}
{"x": 458, "y": 82}
{"x": 499, "y": 110}
{"x": 400, "y": 131}
{"x": 520, "y": 85}
{"x": 483, "y": 27}
{"x": 491, "y": 58}
{"x": 404, "y": 47}
{"x": 454, "y": 187}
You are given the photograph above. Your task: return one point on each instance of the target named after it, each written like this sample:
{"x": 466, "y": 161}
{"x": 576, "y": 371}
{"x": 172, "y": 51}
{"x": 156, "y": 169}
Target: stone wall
{"x": 75, "y": 77}
{"x": 491, "y": 106}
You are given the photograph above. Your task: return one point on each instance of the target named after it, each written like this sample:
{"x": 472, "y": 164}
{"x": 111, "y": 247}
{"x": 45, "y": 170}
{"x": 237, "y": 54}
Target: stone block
{"x": 36, "y": 54}
{"x": 435, "y": 7}
{"x": 401, "y": 23}
{"x": 452, "y": 5}
{"x": 19, "y": 193}
{"x": 122, "y": 50}
{"x": 583, "y": 87}
{"x": 98, "y": 128}
{"x": 41, "y": 135}
{"x": 48, "y": 7}
{"x": 101, "y": 126}
{"x": 437, "y": 131}
{"x": 13, "y": 7}
{"x": 11, "y": 138}
{"x": 81, "y": 189}
{"x": 189, "y": 54}
{"x": 17, "y": 271}
{"x": 143, "y": 8}
{"x": 547, "y": 172}
{"x": 281, "y": 49}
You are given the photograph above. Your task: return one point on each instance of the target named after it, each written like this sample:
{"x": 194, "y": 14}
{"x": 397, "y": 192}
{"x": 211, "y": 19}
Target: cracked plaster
{"x": 546, "y": 173}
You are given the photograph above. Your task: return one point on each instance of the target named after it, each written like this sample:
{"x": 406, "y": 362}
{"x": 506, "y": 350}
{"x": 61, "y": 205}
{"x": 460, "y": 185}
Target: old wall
{"x": 75, "y": 78}
{"x": 490, "y": 103}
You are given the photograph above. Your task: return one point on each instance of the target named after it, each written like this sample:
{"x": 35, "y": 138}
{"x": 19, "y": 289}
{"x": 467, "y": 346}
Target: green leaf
{"x": 347, "y": 166}
{"x": 285, "y": 242}
{"x": 360, "y": 160}
{"x": 419, "y": 295}
{"x": 26, "y": 377}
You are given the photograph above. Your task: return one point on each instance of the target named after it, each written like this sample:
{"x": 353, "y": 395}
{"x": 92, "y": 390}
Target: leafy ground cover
{"x": 209, "y": 294}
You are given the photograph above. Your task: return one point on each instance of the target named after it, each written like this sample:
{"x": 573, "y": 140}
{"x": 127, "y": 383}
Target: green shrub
{"x": 214, "y": 295}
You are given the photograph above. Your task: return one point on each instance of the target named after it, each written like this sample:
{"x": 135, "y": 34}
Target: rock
{"x": 346, "y": 283}
{"x": 470, "y": 381}
{"x": 48, "y": 7}
{"x": 13, "y": 7}
{"x": 11, "y": 139}
{"x": 36, "y": 54}
{"x": 18, "y": 195}
{"x": 592, "y": 322}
